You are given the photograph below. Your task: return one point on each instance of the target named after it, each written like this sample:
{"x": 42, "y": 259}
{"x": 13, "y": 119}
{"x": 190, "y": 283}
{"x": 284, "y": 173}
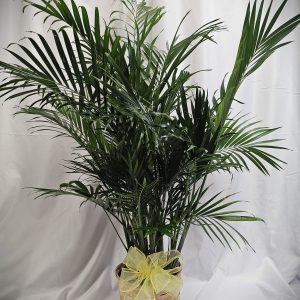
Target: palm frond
{"x": 145, "y": 138}
{"x": 259, "y": 40}
{"x": 213, "y": 216}
{"x": 242, "y": 140}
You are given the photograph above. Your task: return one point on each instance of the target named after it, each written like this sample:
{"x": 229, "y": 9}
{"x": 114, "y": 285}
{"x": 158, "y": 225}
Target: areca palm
{"x": 146, "y": 139}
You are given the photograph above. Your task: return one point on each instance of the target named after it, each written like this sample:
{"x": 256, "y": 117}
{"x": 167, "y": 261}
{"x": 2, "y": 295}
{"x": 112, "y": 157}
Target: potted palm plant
{"x": 146, "y": 137}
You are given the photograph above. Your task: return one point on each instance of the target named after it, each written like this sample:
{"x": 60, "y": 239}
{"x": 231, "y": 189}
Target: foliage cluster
{"x": 146, "y": 138}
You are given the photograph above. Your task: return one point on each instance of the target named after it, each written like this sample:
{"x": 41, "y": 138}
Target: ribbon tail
{"x": 146, "y": 291}
{"x": 164, "y": 282}
{"x": 173, "y": 287}
{"x": 129, "y": 280}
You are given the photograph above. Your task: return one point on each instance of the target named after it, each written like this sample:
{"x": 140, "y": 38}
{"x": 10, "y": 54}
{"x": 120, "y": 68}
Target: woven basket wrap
{"x": 161, "y": 296}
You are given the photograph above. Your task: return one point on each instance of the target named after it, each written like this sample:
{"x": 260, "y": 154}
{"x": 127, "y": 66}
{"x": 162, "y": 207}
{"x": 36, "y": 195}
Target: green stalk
{"x": 140, "y": 225}
{"x": 152, "y": 242}
{"x": 160, "y": 242}
{"x": 188, "y": 223}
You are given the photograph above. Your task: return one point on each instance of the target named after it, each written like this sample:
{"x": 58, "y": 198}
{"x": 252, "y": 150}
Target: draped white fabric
{"x": 52, "y": 249}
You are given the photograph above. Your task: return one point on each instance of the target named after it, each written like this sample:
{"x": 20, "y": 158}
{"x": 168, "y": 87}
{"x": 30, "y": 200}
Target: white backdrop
{"x": 50, "y": 249}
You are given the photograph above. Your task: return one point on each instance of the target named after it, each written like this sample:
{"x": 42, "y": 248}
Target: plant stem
{"x": 160, "y": 242}
{"x": 188, "y": 222}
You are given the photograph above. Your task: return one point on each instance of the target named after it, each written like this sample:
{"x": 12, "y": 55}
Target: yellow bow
{"x": 145, "y": 277}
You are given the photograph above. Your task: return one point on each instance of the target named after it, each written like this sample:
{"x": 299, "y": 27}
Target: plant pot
{"x": 132, "y": 295}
